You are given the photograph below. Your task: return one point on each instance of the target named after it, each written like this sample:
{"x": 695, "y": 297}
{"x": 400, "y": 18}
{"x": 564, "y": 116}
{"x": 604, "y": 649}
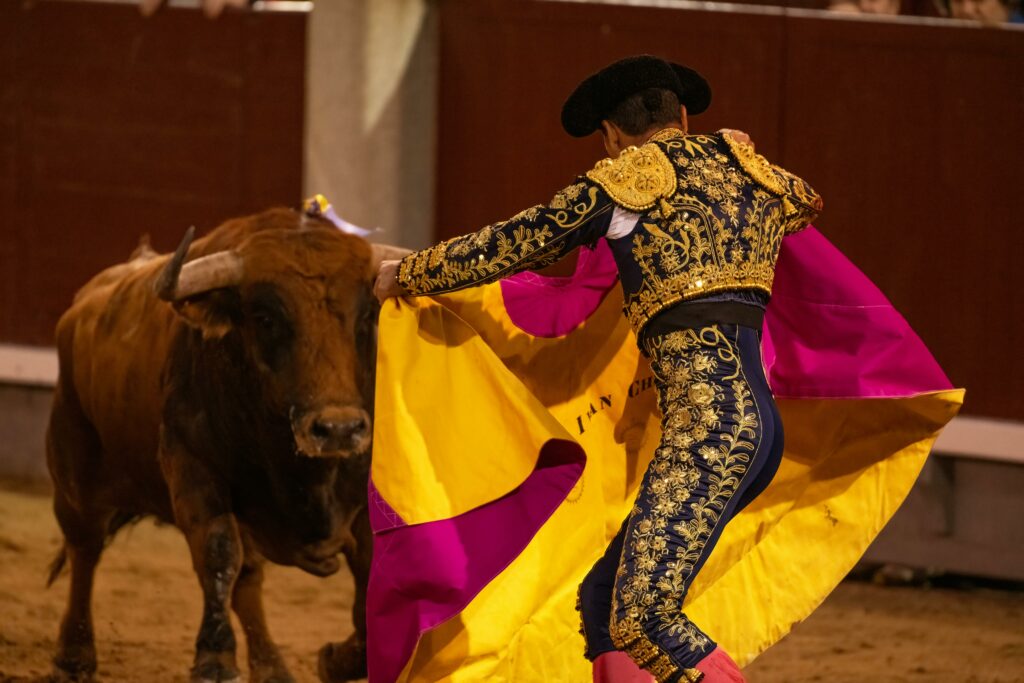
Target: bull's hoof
{"x": 69, "y": 668}
{"x": 214, "y": 672}
{"x": 275, "y": 673}
{"x": 63, "y": 675}
{"x": 341, "y": 662}
{"x": 225, "y": 677}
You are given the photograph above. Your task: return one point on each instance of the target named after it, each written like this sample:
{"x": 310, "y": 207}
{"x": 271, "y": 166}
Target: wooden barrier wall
{"x": 113, "y": 126}
{"x": 911, "y": 132}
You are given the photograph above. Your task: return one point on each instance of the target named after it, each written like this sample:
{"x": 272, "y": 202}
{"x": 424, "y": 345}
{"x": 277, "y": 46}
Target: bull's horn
{"x": 386, "y": 252}
{"x": 180, "y": 280}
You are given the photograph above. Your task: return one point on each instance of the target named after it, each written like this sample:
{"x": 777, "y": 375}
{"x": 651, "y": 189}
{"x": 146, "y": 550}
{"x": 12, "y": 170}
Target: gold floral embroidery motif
{"x": 759, "y": 168}
{"x": 800, "y": 202}
{"x": 707, "y": 225}
{"x": 531, "y": 239}
{"x": 721, "y": 230}
{"x": 637, "y": 178}
{"x": 700, "y": 379}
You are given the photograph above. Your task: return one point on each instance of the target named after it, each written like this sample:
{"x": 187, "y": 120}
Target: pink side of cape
{"x": 829, "y": 332}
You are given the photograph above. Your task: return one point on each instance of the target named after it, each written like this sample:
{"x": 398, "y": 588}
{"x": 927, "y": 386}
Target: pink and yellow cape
{"x": 513, "y": 424}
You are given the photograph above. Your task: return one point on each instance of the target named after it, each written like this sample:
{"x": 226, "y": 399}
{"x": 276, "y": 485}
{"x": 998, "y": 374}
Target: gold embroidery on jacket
{"x": 666, "y": 134}
{"x": 709, "y": 225}
{"x": 801, "y": 204}
{"x": 637, "y": 178}
{"x": 531, "y": 238}
{"x": 692, "y": 401}
{"x": 759, "y": 168}
{"x": 720, "y": 230}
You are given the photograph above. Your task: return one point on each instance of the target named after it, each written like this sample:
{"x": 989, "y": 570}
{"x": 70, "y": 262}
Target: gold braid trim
{"x": 638, "y": 178}
{"x": 629, "y": 637}
{"x": 799, "y": 200}
{"x": 666, "y": 134}
{"x": 759, "y": 168}
{"x": 405, "y": 272}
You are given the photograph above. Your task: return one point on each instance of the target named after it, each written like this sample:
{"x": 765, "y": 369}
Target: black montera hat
{"x": 595, "y": 98}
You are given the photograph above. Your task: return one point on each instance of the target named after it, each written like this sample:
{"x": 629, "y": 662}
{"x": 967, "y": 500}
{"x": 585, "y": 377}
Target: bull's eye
{"x": 265, "y": 321}
{"x": 269, "y": 326}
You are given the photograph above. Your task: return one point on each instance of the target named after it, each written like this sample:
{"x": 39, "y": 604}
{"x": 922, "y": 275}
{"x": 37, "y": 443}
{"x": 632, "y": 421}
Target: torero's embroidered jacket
{"x": 712, "y": 214}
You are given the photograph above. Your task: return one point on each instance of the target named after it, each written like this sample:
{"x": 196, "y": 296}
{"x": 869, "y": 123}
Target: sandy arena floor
{"x": 147, "y": 609}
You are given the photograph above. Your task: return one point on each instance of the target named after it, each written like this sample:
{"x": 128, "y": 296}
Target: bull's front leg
{"x": 203, "y": 512}
{"x": 265, "y": 662}
{"x": 346, "y": 661}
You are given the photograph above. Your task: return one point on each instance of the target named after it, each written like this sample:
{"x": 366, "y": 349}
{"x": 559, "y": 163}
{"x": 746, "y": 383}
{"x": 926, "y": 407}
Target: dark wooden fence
{"x": 113, "y": 126}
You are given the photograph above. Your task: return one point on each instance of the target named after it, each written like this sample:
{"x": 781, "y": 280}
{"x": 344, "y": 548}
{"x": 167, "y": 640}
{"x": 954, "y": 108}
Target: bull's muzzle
{"x": 332, "y": 432}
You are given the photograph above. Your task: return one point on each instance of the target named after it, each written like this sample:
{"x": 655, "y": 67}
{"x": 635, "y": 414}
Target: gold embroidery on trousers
{"x": 693, "y": 399}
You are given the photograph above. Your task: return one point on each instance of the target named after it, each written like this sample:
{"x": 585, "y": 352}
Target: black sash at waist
{"x": 697, "y": 314}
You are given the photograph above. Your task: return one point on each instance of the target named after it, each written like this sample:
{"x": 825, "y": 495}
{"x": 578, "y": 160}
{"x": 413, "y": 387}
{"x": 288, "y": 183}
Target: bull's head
{"x": 301, "y": 305}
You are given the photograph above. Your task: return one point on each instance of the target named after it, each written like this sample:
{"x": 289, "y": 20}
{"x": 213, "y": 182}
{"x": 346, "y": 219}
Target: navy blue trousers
{"x": 721, "y": 445}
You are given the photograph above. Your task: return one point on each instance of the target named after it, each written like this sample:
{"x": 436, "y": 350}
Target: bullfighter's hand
{"x": 737, "y": 135}
{"x": 387, "y": 285}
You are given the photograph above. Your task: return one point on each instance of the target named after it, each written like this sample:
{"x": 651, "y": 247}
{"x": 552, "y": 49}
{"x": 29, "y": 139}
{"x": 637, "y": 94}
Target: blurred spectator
{"x": 212, "y": 8}
{"x": 891, "y": 7}
{"x": 844, "y": 6}
{"x": 879, "y": 6}
{"x": 987, "y": 11}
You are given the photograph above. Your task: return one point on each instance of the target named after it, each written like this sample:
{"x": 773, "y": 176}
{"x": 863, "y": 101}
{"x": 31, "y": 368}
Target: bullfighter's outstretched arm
{"x": 531, "y": 239}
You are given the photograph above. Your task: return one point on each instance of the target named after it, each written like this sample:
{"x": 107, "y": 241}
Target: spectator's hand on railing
{"x": 987, "y": 12}
{"x": 211, "y": 8}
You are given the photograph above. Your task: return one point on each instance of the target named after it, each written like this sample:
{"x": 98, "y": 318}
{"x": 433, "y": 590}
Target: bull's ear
{"x": 213, "y": 312}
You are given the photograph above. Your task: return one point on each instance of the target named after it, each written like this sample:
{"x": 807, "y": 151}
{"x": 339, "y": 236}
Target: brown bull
{"x": 236, "y": 408}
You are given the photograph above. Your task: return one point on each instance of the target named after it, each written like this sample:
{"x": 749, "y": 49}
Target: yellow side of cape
{"x": 848, "y": 465}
